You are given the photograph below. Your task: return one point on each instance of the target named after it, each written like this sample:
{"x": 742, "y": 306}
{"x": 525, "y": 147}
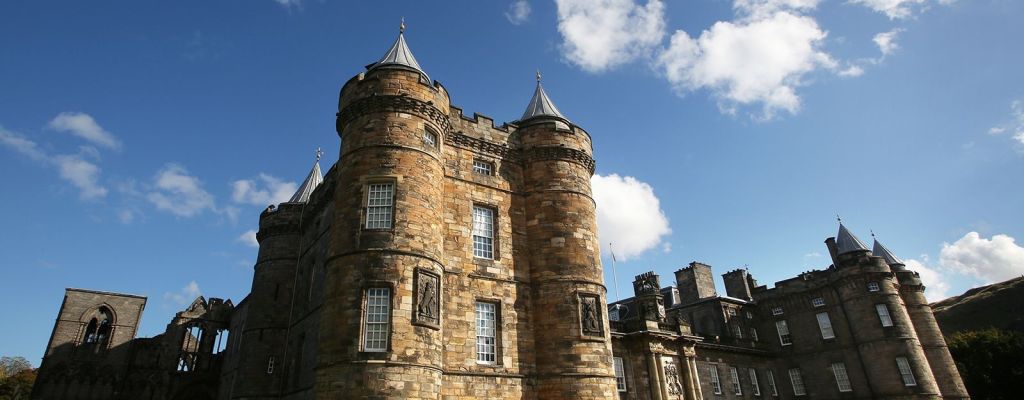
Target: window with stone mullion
{"x": 483, "y": 232}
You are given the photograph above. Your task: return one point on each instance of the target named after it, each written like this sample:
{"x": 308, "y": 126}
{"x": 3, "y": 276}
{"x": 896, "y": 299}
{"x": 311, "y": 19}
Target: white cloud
{"x": 126, "y": 216}
{"x": 82, "y": 174}
{"x": 852, "y": 71}
{"x": 289, "y": 3}
{"x": 179, "y": 193}
{"x": 760, "y": 9}
{"x": 759, "y": 61}
{"x": 21, "y": 144}
{"x": 601, "y": 34}
{"x": 886, "y": 41}
{"x": 249, "y": 238}
{"x": 991, "y": 260}
{"x": 518, "y": 12}
{"x": 186, "y": 295}
{"x": 936, "y": 282}
{"x": 629, "y": 215}
{"x": 267, "y": 190}
{"x": 85, "y": 127}
{"x": 894, "y": 9}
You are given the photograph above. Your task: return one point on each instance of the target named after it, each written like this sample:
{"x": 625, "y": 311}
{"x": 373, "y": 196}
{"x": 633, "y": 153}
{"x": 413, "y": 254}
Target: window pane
{"x": 483, "y": 232}
{"x": 826, "y": 326}
{"x": 818, "y": 302}
{"x": 620, "y": 375}
{"x": 486, "y": 348}
{"x": 379, "y": 201}
{"x": 715, "y": 383}
{"x": 783, "y": 330}
{"x": 756, "y": 387}
{"x": 842, "y": 379}
{"x": 798, "y": 382}
{"x": 905, "y": 372}
{"x": 734, "y": 375}
{"x": 883, "y": 314}
{"x": 771, "y": 383}
{"x": 483, "y": 167}
{"x": 378, "y": 302}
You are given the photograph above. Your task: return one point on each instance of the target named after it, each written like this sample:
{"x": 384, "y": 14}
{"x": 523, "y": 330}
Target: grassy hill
{"x": 999, "y": 305}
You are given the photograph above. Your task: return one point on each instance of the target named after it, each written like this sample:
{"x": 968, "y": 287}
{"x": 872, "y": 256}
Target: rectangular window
{"x": 818, "y": 302}
{"x": 737, "y": 331}
{"x": 883, "y": 314}
{"x": 732, "y": 312}
{"x": 842, "y": 379}
{"x": 798, "y": 382}
{"x": 483, "y": 167}
{"x": 873, "y": 287}
{"x": 620, "y": 375}
{"x": 379, "y": 202}
{"x": 429, "y": 138}
{"x": 825, "y": 324}
{"x": 377, "y": 319}
{"x": 750, "y": 315}
{"x": 783, "y": 329}
{"x": 486, "y": 333}
{"x": 753, "y": 334}
{"x": 776, "y": 310}
{"x": 483, "y": 232}
{"x": 905, "y": 372}
{"x": 771, "y": 383}
{"x": 716, "y": 384}
{"x": 270, "y": 364}
{"x": 735, "y": 376}
{"x": 754, "y": 386}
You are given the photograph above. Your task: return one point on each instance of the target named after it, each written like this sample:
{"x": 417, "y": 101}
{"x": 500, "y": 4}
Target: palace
{"x": 446, "y": 257}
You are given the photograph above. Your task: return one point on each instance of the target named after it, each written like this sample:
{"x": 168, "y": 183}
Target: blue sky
{"x": 139, "y": 140}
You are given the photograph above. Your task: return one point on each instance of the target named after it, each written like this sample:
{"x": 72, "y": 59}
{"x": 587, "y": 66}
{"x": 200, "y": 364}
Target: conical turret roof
{"x": 847, "y": 242}
{"x": 399, "y": 56}
{"x": 541, "y": 105}
{"x": 879, "y": 250}
{"x": 310, "y": 184}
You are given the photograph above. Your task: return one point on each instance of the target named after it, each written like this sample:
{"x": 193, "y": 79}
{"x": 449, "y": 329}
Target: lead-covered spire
{"x": 310, "y": 184}
{"x": 541, "y": 105}
{"x": 881, "y": 251}
{"x": 847, "y": 242}
{"x": 399, "y": 55}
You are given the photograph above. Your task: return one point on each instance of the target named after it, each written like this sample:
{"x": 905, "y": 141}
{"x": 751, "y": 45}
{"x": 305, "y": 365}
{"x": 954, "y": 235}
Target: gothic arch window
{"x": 192, "y": 339}
{"x": 97, "y": 332}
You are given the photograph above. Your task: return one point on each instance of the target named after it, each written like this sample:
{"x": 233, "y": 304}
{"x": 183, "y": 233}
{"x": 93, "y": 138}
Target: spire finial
{"x": 538, "y": 75}
{"x": 401, "y": 26}
{"x": 838, "y": 218}
{"x": 318, "y": 153}
{"x": 872, "y": 233}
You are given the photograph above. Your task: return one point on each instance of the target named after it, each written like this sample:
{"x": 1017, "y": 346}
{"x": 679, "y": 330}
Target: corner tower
{"x": 380, "y": 332}
{"x": 574, "y": 354}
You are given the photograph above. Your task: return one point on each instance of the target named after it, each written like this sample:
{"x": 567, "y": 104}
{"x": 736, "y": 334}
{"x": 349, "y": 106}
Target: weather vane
{"x": 318, "y": 153}
{"x": 872, "y": 233}
{"x": 538, "y": 75}
{"x": 401, "y": 26}
{"x": 838, "y": 218}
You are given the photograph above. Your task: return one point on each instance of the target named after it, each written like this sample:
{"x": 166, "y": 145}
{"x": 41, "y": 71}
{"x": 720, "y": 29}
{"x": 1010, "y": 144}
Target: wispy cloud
{"x": 249, "y": 238}
{"x": 85, "y": 127}
{"x": 886, "y": 41}
{"x": 176, "y": 191}
{"x": 1015, "y": 127}
{"x": 72, "y": 168}
{"x": 518, "y": 12}
{"x": 894, "y": 9}
{"x": 184, "y": 296}
{"x": 264, "y": 190}
{"x": 629, "y": 216}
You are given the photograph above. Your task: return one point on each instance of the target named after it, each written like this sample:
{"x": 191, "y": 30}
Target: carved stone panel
{"x": 673, "y": 385}
{"x": 590, "y": 315}
{"x": 427, "y": 307}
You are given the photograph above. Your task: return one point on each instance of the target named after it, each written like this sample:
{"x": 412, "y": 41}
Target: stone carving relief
{"x": 672, "y": 382}
{"x": 646, "y": 283}
{"x": 427, "y": 298}
{"x": 590, "y": 315}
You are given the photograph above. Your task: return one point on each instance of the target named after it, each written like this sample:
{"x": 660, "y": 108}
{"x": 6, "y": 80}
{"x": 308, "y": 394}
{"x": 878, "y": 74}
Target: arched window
{"x": 98, "y": 331}
{"x": 192, "y": 339}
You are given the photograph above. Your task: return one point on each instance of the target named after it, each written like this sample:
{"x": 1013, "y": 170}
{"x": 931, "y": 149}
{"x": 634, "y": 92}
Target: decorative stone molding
{"x": 427, "y": 310}
{"x": 374, "y": 104}
{"x": 498, "y": 150}
{"x": 561, "y": 153}
{"x": 591, "y": 321}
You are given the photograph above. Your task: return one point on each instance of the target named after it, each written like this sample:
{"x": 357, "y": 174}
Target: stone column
{"x": 688, "y": 375}
{"x": 692, "y": 363}
{"x": 654, "y": 375}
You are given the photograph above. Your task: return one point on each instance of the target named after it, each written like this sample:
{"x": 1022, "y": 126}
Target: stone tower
{"x": 935, "y": 349}
{"x": 384, "y": 259}
{"x": 695, "y": 282}
{"x": 879, "y": 344}
{"x": 574, "y": 355}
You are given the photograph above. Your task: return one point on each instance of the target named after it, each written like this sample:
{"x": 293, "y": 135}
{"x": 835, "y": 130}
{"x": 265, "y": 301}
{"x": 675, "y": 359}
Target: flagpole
{"x": 615, "y": 276}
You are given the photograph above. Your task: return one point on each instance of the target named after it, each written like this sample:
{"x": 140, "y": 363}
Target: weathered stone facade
{"x": 446, "y": 257}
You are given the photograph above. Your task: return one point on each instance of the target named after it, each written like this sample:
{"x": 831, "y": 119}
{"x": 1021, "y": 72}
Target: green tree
{"x": 991, "y": 362}
{"x": 9, "y": 366}
{"x": 16, "y": 378}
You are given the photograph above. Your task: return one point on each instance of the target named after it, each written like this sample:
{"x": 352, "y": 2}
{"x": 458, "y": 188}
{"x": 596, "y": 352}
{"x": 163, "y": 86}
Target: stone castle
{"x": 446, "y": 257}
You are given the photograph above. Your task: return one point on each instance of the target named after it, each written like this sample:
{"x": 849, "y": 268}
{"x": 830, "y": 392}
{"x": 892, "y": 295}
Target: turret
{"x": 380, "y": 333}
{"x": 574, "y": 357}
{"x": 266, "y": 328}
{"x": 739, "y": 284}
{"x": 935, "y": 349}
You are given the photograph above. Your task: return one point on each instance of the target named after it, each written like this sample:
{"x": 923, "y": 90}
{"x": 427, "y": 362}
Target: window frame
{"x": 842, "y": 377}
{"x": 778, "y": 310}
{"x": 753, "y": 334}
{"x": 386, "y": 210}
{"x": 385, "y": 334}
{"x": 483, "y": 167}
{"x": 785, "y": 339}
{"x": 771, "y": 383}
{"x": 620, "y": 374}
{"x": 734, "y": 375}
{"x": 755, "y": 386}
{"x": 825, "y": 326}
{"x": 716, "y": 382}
{"x": 271, "y": 363}
{"x": 483, "y": 252}
{"x": 906, "y": 371}
{"x": 430, "y": 138}
{"x": 874, "y": 287}
{"x": 495, "y": 313}
{"x": 818, "y": 302}
{"x": 737, "y": 331}
{"x": 796, "y": 379}
{"x": 884, "y": 316}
